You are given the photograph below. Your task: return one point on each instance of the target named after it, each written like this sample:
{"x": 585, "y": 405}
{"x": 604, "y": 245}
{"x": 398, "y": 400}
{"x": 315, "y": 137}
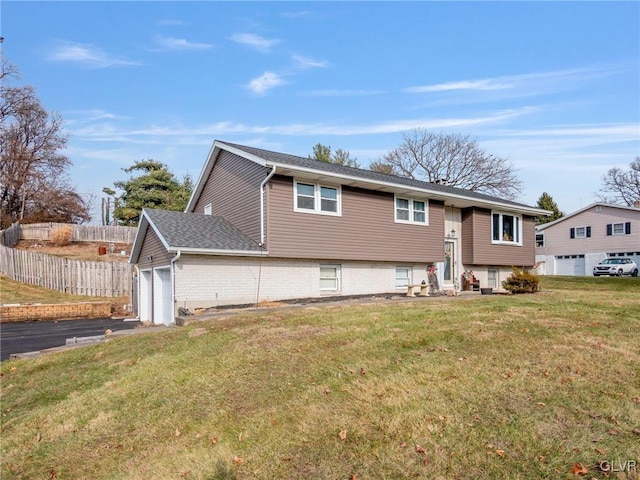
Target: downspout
{"x": 262, "y": 185}
{"x": 173, "y": 281}
{"x": 262, "y": 233}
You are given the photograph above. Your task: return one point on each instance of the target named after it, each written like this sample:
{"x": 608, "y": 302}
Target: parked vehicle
{"x": 616, "y": 266}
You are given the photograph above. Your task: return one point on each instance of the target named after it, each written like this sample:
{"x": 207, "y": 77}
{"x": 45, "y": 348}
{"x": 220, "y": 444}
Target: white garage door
{"x": 162, "y": 301}
{"x": 145, "y": 297}
{"x": 570, "y": 265}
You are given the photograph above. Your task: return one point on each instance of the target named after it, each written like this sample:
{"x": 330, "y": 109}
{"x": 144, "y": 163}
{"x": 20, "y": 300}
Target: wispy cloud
{"x": 254, "y": 41}
{"x": 92, "y": 115}
{"x": 171, "y": 43}
{"x": 306, "y": 62}
{"x": 527, "y": 83}
{"x": 88, "y": 55}
{"x": 298, "y": 14}
{"x": 111, "y": 132}
{"x": 264, "y": 82}
{"x": 464, "y": 85}
{"x": 341, "y": 93}
{"x": 604, "y": 131}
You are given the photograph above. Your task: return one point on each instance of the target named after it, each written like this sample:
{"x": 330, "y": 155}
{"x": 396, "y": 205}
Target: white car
{"x": 616, "y": 266}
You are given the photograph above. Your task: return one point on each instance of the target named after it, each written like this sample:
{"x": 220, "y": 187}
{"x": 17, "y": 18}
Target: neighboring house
{"x": 573, "y": 244}
{"x": 266, "y": 226}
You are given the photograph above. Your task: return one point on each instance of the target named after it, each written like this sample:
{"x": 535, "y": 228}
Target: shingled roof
{"x": 194, "y": 233}
{"x": 275, "y": 158}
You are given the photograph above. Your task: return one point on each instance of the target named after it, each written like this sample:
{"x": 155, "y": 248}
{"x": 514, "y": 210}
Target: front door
{"x": 450, "y": 263}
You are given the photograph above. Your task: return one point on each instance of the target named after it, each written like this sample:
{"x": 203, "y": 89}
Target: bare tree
{"x": 451, "y": 159}
{"x": 623, "y": 186}
{"x": 32, "y": 165}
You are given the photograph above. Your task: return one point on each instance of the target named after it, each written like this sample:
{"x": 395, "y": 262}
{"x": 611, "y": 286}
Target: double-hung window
{"x": 506, "y": 228}
{"x": 329, "y": 278}
{"x": 316, "y": 198}
{"x": 403, "y": 276}
{"x": 619, "y": 228}
{"x": 580, "y": 232}
{"x": 410, "y": 210}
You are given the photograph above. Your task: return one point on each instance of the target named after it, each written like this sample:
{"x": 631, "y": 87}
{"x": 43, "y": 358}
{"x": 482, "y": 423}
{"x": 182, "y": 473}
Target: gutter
{"x": 262, "y": 185}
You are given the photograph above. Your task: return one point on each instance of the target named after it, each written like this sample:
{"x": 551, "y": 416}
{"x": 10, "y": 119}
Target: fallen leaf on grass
{"x": 238, "y": 460}
{"x": 362, "y": 372}
{"x": 420, "y": 450}
{"x": 214, "y": 440}
{"x": 613, "y": 431}
{"x": 177, "y": 433}
{"x": 500, "y": 453}
{"x": 579, "y": 469}
{"x": 184, "y": 474}
{"x": 343, "y": 435}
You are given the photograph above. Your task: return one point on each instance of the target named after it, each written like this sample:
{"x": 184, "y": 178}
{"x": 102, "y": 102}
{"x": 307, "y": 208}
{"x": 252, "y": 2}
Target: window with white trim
{"x": 410, "y": 210}
{"x": 539, "y": 239}
{"x": 580, "y": 232}
{"x": 329, "y": 278}
{"x": 506, "y": 228}
{"x": 403, "y": 276}
{"x": 316, "y": 198}
{"x": 619, "y": 228}
{"x": 208, "y": 209}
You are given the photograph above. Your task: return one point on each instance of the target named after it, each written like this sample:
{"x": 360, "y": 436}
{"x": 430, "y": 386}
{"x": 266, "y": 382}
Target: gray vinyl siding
{"x": 365, "y": 231}
{"x": 233, "y": 190}
{"x": 477, "y": 248}
{"x": 152, "y": 247}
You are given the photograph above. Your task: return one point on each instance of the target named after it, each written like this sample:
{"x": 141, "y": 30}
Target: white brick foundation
{"x": 205, "y": 281}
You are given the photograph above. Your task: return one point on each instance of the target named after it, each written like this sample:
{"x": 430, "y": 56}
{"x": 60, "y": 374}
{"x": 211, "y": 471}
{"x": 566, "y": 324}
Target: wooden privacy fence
{"x": 101, "y": 279}
{"x": 81, "y": 233}
{"x": 10, "y": 236}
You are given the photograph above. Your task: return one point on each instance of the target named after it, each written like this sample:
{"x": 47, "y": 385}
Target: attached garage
{"x": 162, "y": 239}
{"x": 570, "y": 265}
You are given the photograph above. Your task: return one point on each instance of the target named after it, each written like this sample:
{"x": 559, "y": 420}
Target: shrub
{"x": 522, "y": 281}
{"x": 61, "y": 236}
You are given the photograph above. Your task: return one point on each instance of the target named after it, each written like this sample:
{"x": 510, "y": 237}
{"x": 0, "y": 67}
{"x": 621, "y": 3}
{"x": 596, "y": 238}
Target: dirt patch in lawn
{"x": 86, "y": 251}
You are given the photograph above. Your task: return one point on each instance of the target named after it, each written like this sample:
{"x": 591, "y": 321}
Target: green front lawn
{"x": 495, "y": 387}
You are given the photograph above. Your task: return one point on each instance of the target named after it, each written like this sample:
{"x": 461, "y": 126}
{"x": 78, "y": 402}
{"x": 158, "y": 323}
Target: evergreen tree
{"x": 546, "y": 202}
{"x": 156, "y": 187}
{"x": 339, "y": 157}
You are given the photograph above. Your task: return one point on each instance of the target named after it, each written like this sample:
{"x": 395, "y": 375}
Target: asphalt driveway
{"x": 21, "y": 337}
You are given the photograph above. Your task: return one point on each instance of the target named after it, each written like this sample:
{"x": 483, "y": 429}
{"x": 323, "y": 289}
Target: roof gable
{"x": 294, "y": 165}
{"x": 585, "y": 209}
{"x": 194, "y": 233}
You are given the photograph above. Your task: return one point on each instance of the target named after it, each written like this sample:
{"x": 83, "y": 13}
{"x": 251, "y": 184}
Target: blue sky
{"x": 552, "y": 86}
